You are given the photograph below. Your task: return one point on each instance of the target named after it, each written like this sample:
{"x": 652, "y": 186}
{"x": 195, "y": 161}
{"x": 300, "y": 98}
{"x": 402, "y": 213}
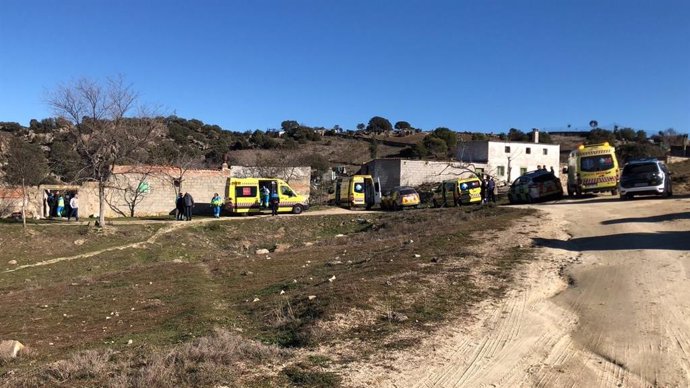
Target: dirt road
{"x": 606, "y": 304}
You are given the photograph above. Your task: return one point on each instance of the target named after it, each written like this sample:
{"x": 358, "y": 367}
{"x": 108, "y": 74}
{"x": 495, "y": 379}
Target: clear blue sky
{"x": 468, "y": 65}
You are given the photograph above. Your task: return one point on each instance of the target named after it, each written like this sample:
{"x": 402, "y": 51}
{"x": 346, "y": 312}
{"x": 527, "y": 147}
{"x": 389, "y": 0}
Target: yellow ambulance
{"x": 248, "y": 196}
{"x": 592, "y": 168}
{"x": 357, "y": 191}
{"x": 456, "y": 192}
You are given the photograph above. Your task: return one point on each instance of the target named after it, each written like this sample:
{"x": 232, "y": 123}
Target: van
{"x": 456, "y": 192}
{"x": 357, "y": 191}
{"x": 244, "y": 196}
{"x": 592, "y": 169}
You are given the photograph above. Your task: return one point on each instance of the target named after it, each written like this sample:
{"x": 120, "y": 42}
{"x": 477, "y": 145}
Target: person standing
{"x": 482, "y": 191}
{"x": 179, "y": 207}
{"x": 216, "y": 202}
{"x": 50, "y": 201}
{"x": 491, "y": 187}
{"x": 60, "y": 204}
{"x": 265, "y": 193}
{"x": 188, "y": 205}
{"x": 275, "y": 200}
{"x": 74, "y": 208}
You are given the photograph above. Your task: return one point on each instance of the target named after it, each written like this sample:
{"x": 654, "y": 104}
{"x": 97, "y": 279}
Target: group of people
{"x": 185, "y": 204}
{"x": 543, "y": 168}
{"x": 183, "y": 207}
{"x": 60, "y": 205}
{"x": 488, "y": 189}
{"x": 270, "y": 198}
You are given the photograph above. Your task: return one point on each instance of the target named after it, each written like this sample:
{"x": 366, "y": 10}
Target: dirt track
{"x": 606, "y": 304}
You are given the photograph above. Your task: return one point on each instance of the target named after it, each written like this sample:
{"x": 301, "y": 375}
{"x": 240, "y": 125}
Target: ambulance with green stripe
{"x": 592, "y": 168}
{"x": 244, "y": 196}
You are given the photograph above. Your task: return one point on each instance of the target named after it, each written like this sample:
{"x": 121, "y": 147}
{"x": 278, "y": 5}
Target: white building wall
{"x": 517, "y": 159}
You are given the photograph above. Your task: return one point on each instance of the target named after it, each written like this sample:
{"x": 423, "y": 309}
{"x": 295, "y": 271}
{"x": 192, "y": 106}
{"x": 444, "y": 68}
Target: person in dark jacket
{"x": 179, "y": 207}
{"x": 491, "y": 188}
{"x": 188, "y": 205}
{"x": 275, "y": 199}
{"x": 483, "y": 190}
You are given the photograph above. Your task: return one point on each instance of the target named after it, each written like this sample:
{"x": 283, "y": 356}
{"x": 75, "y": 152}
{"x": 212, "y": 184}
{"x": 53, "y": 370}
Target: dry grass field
{"x": 193, "y": 304}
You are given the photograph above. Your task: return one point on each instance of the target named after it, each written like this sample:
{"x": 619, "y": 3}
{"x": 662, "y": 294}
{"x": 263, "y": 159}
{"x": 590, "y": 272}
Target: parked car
{"x": 535, "y": 186}
{"x": 399, "y": 198}
{"x": 645, "y": 177}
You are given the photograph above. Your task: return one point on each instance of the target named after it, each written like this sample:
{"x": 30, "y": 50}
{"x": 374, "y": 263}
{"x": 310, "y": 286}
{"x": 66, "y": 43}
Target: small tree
{"x": 129, "y": 187}
{"x": 26, "y": 166}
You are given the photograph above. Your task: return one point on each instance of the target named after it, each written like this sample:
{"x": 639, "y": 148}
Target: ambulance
{"x": 458, "y": 192}
{"x": 357, "y": 191}
{"x": 592, "y": 168}
{"x": 245, "y": 196}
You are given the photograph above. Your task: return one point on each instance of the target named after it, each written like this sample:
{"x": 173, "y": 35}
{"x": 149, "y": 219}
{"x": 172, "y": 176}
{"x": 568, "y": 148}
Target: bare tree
{"x": 178, "y": 167}
{"x": 25, "y": 166}
{"x": 103, "y": 130}
{"x": 128, "y": 188}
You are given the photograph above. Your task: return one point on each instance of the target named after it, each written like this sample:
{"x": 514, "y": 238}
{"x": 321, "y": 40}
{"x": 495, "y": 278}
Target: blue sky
{"x": 468, "y": 65}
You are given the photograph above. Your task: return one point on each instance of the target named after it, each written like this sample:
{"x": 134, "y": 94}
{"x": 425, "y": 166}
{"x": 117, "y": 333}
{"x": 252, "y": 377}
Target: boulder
{"x": 10, "y": 349}
{"x": 79, "y": 242}
{"x": 262, "y": 251}
{"x": 12, "y": 262}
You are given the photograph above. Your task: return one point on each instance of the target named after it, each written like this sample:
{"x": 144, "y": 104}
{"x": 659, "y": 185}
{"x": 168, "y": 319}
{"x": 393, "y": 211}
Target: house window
{"x": 528, "y": 150}
{"x": 507, "y": 149}
{"x": 546, "y": 151}
{"x": 500, "y": 171}
{"x": 523, "y": 170}
{"x": 479, "y": 171}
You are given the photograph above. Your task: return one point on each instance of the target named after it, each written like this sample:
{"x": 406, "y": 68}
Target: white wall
{"x": 518, "y": 157}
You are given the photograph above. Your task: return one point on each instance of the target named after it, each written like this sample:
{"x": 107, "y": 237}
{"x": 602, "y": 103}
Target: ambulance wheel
{"x": 614, "y": 192}
{"x": 297, "y": 209}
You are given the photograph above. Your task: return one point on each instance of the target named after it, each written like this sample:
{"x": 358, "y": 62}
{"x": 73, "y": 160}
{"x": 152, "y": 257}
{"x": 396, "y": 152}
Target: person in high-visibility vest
{"x": 60, "y": 204}
{"x": 216, "y": 203}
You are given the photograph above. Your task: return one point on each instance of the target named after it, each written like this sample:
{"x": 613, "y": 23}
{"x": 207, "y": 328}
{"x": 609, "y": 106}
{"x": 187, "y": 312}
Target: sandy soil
{"x": 606, "y": 304}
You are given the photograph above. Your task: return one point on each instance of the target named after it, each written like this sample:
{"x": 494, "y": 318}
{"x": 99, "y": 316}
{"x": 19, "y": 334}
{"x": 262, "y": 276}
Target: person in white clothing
{"x": 74, "y": 204}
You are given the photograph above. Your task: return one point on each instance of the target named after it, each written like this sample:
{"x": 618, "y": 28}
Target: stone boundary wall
{"x": 157, "y": 190}
{"x": 676, "y": 159}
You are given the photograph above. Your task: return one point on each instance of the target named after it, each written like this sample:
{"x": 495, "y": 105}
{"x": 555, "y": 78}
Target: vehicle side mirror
{"x": 565, "y": 170}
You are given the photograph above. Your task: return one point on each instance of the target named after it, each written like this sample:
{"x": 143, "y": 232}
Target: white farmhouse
{"x": 507, "y": 160}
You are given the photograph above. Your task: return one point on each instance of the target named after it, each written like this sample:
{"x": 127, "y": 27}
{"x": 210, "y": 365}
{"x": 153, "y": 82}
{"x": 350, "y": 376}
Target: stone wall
{"x": 153, "y": 187}
{"x": 676, "y": 159}
{"x": 11, "y": 201}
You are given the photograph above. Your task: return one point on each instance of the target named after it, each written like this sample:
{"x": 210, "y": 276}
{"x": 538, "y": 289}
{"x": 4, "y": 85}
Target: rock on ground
{"x": 10, "y": 349}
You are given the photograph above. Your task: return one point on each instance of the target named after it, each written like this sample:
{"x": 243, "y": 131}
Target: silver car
{"x": 645, "y": 177}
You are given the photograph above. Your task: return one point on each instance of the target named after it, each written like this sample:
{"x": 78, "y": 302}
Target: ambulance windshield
{"x": 596, "y": 163}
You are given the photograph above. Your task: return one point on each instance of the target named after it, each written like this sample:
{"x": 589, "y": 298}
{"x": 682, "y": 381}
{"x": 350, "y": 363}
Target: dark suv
{"x": 645, "y": 177}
